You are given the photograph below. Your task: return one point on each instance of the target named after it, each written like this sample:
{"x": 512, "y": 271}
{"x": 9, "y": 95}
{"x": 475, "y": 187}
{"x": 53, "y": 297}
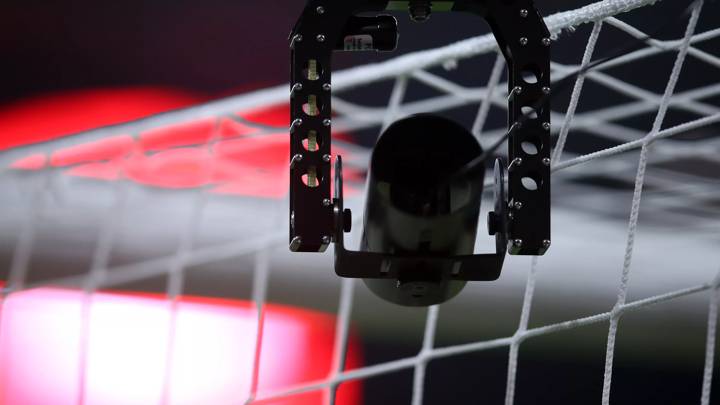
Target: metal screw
{"x": 327, "y": 122}
{"x": 295, "y": 88}
{"x": 326, "y": 202}
{"x": 518, "y": 205}
{"x": 320, "y": 38}
{"x": 546, "y": 161}
{"x": 325, "y": 240}
{"x": 296, "y": 123}
{"x": 523, "y": 41}
{"x": 516, "y": 90}
{"x": 546, "y": 243}
{"x": 546, "y": 41}
{"x": 518, "y": 242}
{"x": 295, "y": 159}
{"x": 326, "y": 87}
{"x": 295, "y": 243}
{"x": 546, "y": 126}
{"x": 515, "y": 163}
{"x": 295, "y": 38}
{"x": 320, "y": 10}
{"x": 523, "y": 13}
{"x": 546, "y": 90}
{"x": 326, "y": 157}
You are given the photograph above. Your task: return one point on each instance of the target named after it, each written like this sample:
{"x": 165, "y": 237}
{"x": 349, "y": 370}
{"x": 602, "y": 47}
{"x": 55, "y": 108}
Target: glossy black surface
{"x": 413, "y": 207}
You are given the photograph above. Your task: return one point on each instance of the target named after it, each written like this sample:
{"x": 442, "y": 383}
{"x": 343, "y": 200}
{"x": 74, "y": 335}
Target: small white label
{"x": 358, "y": 43}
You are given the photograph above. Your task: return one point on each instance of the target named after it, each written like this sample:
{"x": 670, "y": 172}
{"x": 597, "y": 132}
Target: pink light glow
{"x": 175, "y": 156}
{"x": 127, "y": 358}
{"x": 54, "y": 115}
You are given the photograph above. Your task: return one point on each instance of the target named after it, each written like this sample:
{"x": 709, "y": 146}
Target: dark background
{"x": 212, "y": 47}
{"x": 215, "y": 48}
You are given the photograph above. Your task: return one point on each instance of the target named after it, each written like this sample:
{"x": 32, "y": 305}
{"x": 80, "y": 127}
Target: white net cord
{"x": 403, "y": 71}
{"x": 637, "y": 195}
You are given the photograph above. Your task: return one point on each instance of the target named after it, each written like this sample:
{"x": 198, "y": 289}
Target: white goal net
{"x": 624, "y": 140}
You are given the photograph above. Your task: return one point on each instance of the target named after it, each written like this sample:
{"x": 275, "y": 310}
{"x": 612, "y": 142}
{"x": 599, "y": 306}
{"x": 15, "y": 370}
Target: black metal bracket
{"x": 524, "y": 41}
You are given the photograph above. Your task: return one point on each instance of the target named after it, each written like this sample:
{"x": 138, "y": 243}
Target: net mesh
{"x": 39, "y": 188}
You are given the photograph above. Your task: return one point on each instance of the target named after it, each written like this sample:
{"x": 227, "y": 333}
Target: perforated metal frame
{"x": 525, "y": 42}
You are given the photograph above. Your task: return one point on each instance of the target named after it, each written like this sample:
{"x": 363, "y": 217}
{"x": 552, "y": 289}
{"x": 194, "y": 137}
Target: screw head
{"x": 298, "y": 157}
{"x": 546, "y": 161}
{"x": 546, "y": 90}
{"x": 546, "y": 243}
{"x": 546, "y": 41}
{"x": 295, "y": 243}
{"x": 518, "y": 242}
{"x": 326, "y": 87}
{"x": 517, "y": 90}
{"x": 320, "y": 38}
{"x": 325, "y": 239}
{"x": 546, "y": 126}
{"x": 523, "y": 13}
{"x": 326, "y": 158}
{"x": 320, "y": 10}
{"x": 326, "y": 202}
{"x": 327, "y": 122}
{"x": 523, "y": 41}
{"x": 518, "y": 205}
{"x": 298, "y": 38}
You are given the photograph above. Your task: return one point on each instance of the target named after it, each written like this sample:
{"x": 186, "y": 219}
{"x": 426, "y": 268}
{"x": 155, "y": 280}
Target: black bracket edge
{"x": 524, "y": 41}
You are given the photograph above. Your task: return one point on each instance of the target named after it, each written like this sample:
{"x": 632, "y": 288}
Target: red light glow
{"x": 47, "y": 117}
{"x": 176, "y": 156}
{"x": 127, "y": 339}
